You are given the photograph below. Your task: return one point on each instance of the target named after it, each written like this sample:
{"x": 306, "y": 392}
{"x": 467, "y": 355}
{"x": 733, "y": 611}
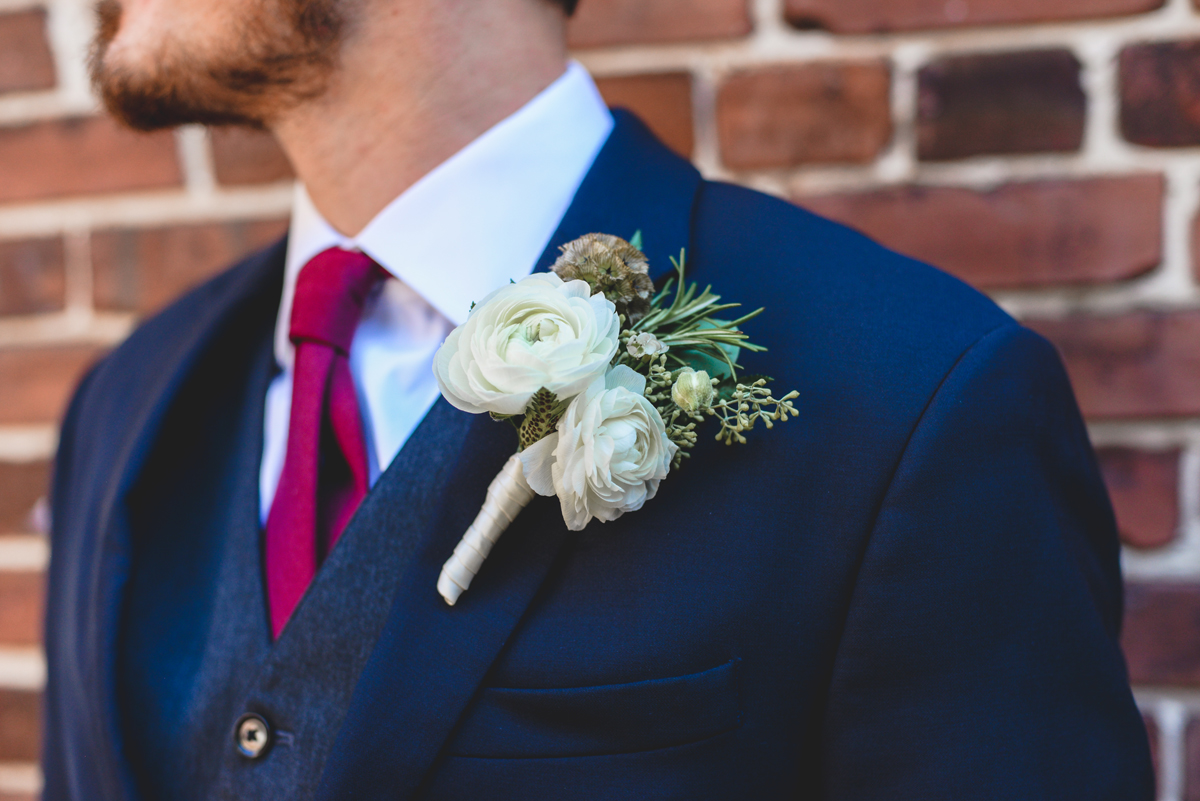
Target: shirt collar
{"x": 481, "y": 218}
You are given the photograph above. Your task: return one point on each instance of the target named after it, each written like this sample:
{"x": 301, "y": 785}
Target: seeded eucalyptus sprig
{"x": 681, "y": 426}
{"x": 680, "y": 399}
{"x": 749, "y": 404}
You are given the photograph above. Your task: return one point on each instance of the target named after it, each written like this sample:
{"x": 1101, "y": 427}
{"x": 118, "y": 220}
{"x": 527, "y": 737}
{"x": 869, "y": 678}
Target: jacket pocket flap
{"x": 607, "y": 719}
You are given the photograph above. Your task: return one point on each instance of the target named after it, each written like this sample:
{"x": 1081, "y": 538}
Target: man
{"x": 910, "y": 592}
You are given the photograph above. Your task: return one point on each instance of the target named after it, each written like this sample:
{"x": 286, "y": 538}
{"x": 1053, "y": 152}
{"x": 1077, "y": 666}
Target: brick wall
{"x": 1047, "y": 151}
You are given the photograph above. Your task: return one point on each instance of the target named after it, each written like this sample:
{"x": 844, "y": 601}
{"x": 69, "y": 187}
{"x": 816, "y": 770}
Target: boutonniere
{"x": 606, "y": 381}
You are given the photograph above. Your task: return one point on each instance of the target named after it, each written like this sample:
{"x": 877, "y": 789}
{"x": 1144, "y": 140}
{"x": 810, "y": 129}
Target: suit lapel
{"x": 431, "y": 658}
{"x": 255, "y": 284}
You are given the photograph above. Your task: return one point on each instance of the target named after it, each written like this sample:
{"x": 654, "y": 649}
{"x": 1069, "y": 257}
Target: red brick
{"x": 1191, "y": 761}
{"x": 22, "y": 604}
{"x": 604, "y": 23}
{"x": 870, "y": 16}
{"x": 1196, "y": 247}
{"x": 814, "y": 113}
{"x": 21, "y": 485}
{"x": 82, "y": 156}
{"x": 36, "y": 383}
{"x": 1141, "y": 364}
{"x": 20, "y": 725}
{"x": 32, "y": 276}
{"x": 1158, "y": 637}
{"x": 1160, "y": 94}
{"x": 1005, "y": 103}
{"x": 1144, "y": 487}
{"x": 663, "y": 102}
{"x": 143, "y": 270}
{"x": 1035, "y": 234}
{"x": 247, "y": 156}
{"x": 26, "y": 63}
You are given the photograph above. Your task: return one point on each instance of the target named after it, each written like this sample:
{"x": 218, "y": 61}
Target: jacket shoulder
{"x": 828, "y": 266}
{"x": 867, "y": 335}
{"x": 830, "y": 289}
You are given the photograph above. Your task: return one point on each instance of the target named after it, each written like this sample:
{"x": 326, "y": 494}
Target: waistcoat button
{"x": 252, "y": 735}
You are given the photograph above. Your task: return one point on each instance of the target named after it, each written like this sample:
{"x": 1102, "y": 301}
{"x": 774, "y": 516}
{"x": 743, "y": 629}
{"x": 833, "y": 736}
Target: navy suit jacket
{"x": 910, "y": 592}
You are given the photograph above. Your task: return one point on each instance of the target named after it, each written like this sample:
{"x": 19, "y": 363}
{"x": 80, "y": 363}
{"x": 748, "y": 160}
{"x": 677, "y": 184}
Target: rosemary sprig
{"x": 688, "y": 325}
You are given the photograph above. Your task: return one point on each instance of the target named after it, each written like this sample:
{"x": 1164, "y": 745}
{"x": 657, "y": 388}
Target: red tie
{"x": 324, "y": 475}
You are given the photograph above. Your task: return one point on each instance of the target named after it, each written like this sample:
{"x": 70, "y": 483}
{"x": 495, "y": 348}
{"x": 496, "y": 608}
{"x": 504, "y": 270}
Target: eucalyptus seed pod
{"x": 507, "y": 495}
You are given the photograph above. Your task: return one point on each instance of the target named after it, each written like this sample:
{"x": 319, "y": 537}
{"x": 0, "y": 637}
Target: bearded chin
{"x": 280, "y": 57}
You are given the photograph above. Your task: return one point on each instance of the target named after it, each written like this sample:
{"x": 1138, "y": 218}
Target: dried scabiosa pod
{"x": 613, "y": 266}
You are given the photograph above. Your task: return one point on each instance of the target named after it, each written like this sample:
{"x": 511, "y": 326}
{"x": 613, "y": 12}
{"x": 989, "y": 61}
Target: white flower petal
{"x": 537, "y": 462}
{"x": 625, "y": 376}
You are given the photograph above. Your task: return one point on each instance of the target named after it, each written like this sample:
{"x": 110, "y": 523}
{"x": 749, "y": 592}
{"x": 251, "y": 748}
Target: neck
{"x": 417, "y": 82}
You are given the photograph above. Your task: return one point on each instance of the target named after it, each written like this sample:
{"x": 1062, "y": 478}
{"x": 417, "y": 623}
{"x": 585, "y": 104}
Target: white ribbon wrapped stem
{"x": 507, "y": 495}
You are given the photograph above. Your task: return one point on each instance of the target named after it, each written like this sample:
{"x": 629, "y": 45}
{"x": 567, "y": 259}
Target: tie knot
{"x": 330, "y": 292}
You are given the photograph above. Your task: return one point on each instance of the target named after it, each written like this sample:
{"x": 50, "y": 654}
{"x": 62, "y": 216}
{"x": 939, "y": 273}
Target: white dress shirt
{"x": 478, "y": 220}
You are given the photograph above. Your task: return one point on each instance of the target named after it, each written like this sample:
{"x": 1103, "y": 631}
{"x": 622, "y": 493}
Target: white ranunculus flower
{"x": 539, "y": 332}
{"x": 608, "y": 455}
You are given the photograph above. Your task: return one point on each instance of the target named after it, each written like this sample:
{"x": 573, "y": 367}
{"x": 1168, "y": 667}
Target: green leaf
{"x": 636, "y": 239}
{"x": 716, "y": 368}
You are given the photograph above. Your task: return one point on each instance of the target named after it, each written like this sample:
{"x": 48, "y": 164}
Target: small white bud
{"x": 645, "y": 345}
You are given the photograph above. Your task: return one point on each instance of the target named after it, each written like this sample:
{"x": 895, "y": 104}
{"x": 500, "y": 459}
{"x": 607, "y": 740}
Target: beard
{"x": 283, "y": 53}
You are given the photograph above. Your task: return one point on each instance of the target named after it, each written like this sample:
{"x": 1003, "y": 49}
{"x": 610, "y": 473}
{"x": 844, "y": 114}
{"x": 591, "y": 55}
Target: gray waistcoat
{"x": 196, "y": 601}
